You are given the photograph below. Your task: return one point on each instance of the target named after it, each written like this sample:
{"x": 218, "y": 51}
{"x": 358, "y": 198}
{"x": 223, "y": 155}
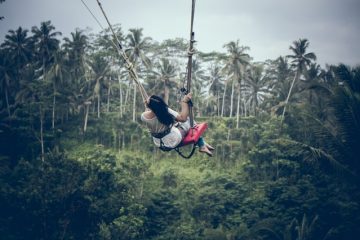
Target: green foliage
{"x": 75, "y": 164}
{"x": 129, "y": 224}
{"x": 217, "y": 199}
{"x": 161, "y": 212}
{"x": 214, "y": 234}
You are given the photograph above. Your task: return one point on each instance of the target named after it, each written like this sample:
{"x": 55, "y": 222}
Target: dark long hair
{"x": 160, "y": 108}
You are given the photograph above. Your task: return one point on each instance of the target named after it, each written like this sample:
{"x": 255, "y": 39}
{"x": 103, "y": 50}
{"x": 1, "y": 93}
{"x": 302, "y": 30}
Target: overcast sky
{"x": 268, "y": 27}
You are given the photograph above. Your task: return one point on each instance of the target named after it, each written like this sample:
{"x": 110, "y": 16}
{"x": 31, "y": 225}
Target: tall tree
{"x": 58, "y": 70}
{"x": 198, "y": 82}
{"x": 76, "y": 51}
{"x": 34, "y": 95}
{"x": 215, "y": 84}
{"x": 279, "y": 73}
{"x": 104, "y": 42}
{"x": 166, "y": 72}
{"x": 17, "y": 52}
{"x": 343, "y": 132}
{"x": 137, "y": 49}
{"x": 301, "y": 60}
{"x": 46, "y": 44}
{"x": 256, "y": 86}
{"x": 312, "y": 78}
{"x": 235, "y": 64}
{"x": 19, "y": 47}
{"x": 100, "y": 67}
{"x": 281, "y": 84}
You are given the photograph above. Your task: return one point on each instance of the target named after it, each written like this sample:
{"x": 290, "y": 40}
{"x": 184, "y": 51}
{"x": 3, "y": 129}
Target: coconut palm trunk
{"x": 238, "y": 110}
{"x": 108, "y": 98}
{"x": 223, "y": 100}
{"x": 236, "y": 61}
{"x": 98, "y": 105}
{"x": 53, "y": 107}
{"x": 232, "y": 98}
{"x": 128, "y": 89}
{"x": 87, "y": 105}
{"x": 218, "y": 104}
{"x": 288, "y": 96}
{"x": 120, "y": 97}
{"x": 42, "y": 134}
{"x": 301, "y": 60}
{"x": 97, "y": 95}
{"x": 134, "y": 104}
{"x": 255, "y": 106}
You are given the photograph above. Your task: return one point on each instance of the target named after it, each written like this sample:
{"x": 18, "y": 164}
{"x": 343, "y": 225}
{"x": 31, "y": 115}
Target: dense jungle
{"x": 77, "y": 163}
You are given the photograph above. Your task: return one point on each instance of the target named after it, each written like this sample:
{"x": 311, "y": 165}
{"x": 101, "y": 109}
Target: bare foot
{"x": 209, "y": 147}
{"x": 204, "y": 149}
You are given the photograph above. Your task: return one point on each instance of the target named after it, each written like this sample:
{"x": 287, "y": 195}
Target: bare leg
{"x": 203, "y": 147}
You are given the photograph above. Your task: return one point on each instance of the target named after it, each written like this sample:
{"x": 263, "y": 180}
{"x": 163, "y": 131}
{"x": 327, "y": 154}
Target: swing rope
{"x": 116, "y": 42}
{"x": 121, "y": 52}
{"x": 191, "y": 51}
{"x": 92, "y": 14}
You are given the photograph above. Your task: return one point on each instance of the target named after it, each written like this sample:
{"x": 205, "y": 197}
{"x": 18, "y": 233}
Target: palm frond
{"x": 313, "y": 153}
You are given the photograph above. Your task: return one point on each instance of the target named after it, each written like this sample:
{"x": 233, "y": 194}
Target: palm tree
{"x": 279, "y": 74}
{"x": 76, "y": 50}
{"x": 172, "y": 49}
{"x": 301, "y": 60}
{"x": 104, "y": 40}
{"x": 215, "y": 79}
{"x": 137, "y": 49}
{"x": 100, "y": 67}
{"x": 343, "y": 121}
{"x": 124, "y": 88}
{"x": 312, "y": 78}
{"x": 57, "y": 72}
{"x": 32, "y": 96}
{"x": 215, "y": 84}
{"x": 16, "y": 53}
{"x": 19, "y": 47}
{"x": 198, "y": 81}
{"x": 283, "y": 73}
{"x": 337, "y": 133}
{"x": 46, "y": 44}
{"x": 236, "y": 62}
{"x": 166, "y": 72}
{"x": 256, "y": 86}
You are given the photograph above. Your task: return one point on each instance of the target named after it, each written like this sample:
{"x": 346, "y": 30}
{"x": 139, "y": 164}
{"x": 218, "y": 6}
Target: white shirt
{"x": 172, "y": 139}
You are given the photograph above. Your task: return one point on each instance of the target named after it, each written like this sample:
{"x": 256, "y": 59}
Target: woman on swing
{"x": 169, "y": 127}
